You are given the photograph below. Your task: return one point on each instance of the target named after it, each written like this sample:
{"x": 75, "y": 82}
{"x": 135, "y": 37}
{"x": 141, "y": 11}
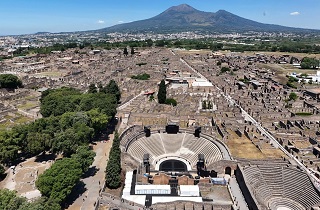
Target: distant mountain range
{"x": 186, "y": 18}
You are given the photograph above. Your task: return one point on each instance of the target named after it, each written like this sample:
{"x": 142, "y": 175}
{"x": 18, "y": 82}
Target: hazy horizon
{"x": 32, "y": 16}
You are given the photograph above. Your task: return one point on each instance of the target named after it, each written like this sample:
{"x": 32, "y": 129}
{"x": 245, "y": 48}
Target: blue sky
{"x": 30, "y": 16}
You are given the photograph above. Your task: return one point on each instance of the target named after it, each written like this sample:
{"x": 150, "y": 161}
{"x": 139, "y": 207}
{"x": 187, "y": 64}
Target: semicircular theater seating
{"x": 281, "y": 203}
{"x": 183, "y": 145}
{"x": 276, "y": 186}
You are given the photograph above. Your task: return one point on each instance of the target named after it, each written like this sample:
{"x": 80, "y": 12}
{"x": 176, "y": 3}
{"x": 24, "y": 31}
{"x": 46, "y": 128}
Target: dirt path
{"x": 22, "y": 178}
{"x": 93, "y": 184}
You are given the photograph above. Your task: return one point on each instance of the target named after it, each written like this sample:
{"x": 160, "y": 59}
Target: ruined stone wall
{"x": 221, "y": 165}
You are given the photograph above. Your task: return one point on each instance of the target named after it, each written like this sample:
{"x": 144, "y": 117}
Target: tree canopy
{"x": 57, "y": 182}
{"x": 293, "y": 96}
{"x": 10, "y": 81}
{"x": 162, "y": 93}
{"x": 113, "y": 89}
{"x": 113, "y": 170}
{"x": 2, "y": 170}
{"x": 125, "y": 51}
{"x": 92, "y": 88}
{"x": 70, "y": 119}
{"x": 143, "y": 76}
{"x": 84, "y": 156}
{"x": 40, "y": 204}
{"x": 10, "y": 201}
{"x": 56, "y": 102}
{"x": 309, "y": 63}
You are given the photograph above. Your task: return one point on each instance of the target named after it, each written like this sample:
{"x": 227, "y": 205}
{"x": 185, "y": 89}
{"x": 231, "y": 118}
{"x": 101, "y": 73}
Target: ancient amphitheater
{"x": 280, "y": 187}
{"x": 182, "y": 146}
{"x": 275, "y": 184}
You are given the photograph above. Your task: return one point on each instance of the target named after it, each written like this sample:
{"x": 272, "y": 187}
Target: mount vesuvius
{"x": 186, "y": 18}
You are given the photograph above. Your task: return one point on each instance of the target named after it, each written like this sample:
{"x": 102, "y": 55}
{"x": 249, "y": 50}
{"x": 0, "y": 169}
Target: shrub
{"x": 293, "y": 96}
{"x": 224, "y": 69}
{"x": 303, "y": 113}
{"x": 289, "y": 84}
{"x": 141, "y": 64}
{"x": 143, "y": 76}
{"x": 171, "y": 101}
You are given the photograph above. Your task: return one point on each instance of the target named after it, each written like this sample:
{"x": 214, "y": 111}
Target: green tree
{"x": 2, "y": 171}
{"x": 98, "y": 121}
{"x": 160, "y": 43}
{"x": 113, "y": 88}
{"x": 171, "y": 101}
{"x": 293, "y": 96}
{"x": 293, "y": 79}
{"x": 66, "y": 142}
{"x": 125, "y": 51}
{"x": 143, "y": 76}
{"x": 162, "y": 93}
{"x": 9, "y": 200}
{"x": 9, "y": 147}
{"x": 9, "y": 81}
{"x": 224, "y": 69}
{"x": 57, "y": 102}
{"x": 292, "y": 59}
{"x": 309, "y": 63}
{"x": 38, "y": 142}
{"x": 69, "y": 140}
{"x": 57, "y": 182}
{"x": 40, "y": 204}
{"x": 204, "y": 104}
{"x": 64, "y": 132}
{"x": 149, "y": 42}
{"x": 84, "y": 156}
{"x": 92, "y": 88}
{"x": 113, "y": 169}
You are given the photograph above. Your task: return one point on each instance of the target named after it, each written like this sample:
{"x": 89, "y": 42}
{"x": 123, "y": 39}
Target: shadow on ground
{"x": 104, "y": 135}
{"x": 91, "y": 172}
{"x": 45, "y": 157}
{"x": 77, "y": 191}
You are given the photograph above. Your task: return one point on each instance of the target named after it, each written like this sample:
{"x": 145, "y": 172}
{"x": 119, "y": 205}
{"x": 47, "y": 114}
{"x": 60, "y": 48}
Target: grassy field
{"x": 28, "y": 105}
{"x": 194, "y": 52}
{"x": 50, "y": 74}
{"x": 297, "y": 55}
{"x": 19, "y": 119}
{"x": 242, "y": 147}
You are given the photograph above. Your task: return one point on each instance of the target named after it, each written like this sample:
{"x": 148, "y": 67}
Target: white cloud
{"x": 120, "y": 21}
{"x": 295, "y": 13}
{"x": 101, "y": 21}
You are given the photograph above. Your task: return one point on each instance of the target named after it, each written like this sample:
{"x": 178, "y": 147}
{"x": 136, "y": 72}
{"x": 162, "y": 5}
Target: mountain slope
{"x": 186, "y": 18}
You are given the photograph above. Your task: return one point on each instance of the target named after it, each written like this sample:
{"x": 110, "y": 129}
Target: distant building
{"x": 315, "y": 93}
{"x": 201, "y": 84}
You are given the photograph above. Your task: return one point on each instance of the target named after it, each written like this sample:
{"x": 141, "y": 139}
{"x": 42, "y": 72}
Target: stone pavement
{"x": 237, "y": 196}
{"x": 113, "y": 202}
